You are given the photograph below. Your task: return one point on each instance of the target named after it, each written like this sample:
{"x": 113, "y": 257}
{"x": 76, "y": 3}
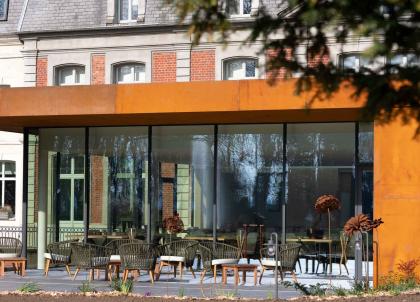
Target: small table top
{"x": 314, "y": 240}
{"x": 12, "y": 259}
{"x": 241, "y": 266}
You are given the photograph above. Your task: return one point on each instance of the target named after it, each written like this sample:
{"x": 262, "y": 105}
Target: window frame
{"x": 58, "y": 70}
{"x": 129, "y": 20}
{"x": 241, "y": 9}
{"x": 132, "y": 64}
{"x": 3, "y": 180}
{"x": 6, "y": 11}
{"x": 226, "y": 61}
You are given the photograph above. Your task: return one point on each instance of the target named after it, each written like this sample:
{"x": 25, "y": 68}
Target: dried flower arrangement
{"x": 326, "y": 203}
{"x": 361, "y": 223}
{"x": 174, "y": 224}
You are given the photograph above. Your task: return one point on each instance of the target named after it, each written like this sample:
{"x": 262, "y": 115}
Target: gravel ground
{"x": 50, "y": 297}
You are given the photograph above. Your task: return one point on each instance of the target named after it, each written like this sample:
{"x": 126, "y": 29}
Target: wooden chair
{"x": 288, "y": 255}
{"x": 137, "y": 257}
{"x": 10, "y": 247}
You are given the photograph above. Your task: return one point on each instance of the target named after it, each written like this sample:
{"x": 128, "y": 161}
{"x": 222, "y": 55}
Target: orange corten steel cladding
{"x": 168, "y": 103}
{"x": 396, "y": 164}
{"x": 396, "y": 195}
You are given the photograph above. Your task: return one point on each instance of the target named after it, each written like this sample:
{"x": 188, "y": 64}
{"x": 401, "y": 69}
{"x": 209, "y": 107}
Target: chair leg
{"x": 98, "y": 274}
{"x": 68, "y": 270}
{"x": 152, "y": 276}
{"x": 47, "y": 267}
{"x": 203, "y": 273}
{"x": 76, "y": 272}
{"x": 215, "y": 273}
{"x": 262, "y": 273}
{"x": 125, "y": 275}
{"x": 180, "y": 265}
{"x": 174, "y": 271}
{"x": 192, "y": 271}
{"x": 91, "y": 274}
{"x": 345, "y": 266}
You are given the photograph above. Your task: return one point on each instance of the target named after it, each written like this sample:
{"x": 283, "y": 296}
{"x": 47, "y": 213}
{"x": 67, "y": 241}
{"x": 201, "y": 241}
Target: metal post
{"x": 274, "y": 243}
{"x": 358, "y": 276}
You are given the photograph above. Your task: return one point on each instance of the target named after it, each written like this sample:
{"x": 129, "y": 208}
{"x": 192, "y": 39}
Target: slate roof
{"x": 10, "y": 25}
{"x": 58, "y": 15}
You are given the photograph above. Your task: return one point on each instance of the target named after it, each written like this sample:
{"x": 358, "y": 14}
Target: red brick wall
{"x": 96, "y": 192}
{"x": 98, "y": 69}
{"x": 41, "y": 72}
{"x": 277, "y": 74}
{"x": 167, "y": 170}
{"x": 164, "y": 66}
{"x": 203, "y": 65}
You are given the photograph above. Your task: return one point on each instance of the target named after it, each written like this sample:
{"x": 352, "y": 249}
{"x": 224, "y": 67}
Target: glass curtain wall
{"x": 182, "y": 180}
{"x": 320, "y": 161}
{"x": 249, "y": 180}
{"x": 118, "y": 181}
{"x": 61, "y": 183}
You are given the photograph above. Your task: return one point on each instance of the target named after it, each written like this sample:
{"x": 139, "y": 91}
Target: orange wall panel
{"x": 396, "y": 195}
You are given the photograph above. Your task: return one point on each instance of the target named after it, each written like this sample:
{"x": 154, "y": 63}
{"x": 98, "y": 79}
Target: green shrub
{"x": 318, "y": 289}
{"x": 124, "y": 287}
{"x": 86, "y": 287}
{"x": 29, "y": 287}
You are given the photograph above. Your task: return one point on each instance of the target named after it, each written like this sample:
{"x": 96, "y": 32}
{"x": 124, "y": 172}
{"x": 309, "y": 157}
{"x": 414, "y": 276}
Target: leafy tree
{"x": 308, "y": 28}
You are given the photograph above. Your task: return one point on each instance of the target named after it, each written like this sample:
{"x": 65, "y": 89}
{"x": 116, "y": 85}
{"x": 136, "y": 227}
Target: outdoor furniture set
{"x": 134, "y": 256}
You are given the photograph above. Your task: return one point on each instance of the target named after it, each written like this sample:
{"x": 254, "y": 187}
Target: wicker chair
{"x": 288, "y": 255}
{"x": 58, "y": 253}
{"x": 137, "y": 257}
{"x": 90, "y": 257}
{"x": 10, "y": 247}
{"x": 339, "y": 250}
{"x": 214, "y": 254}
{"x": 179, "y": 253}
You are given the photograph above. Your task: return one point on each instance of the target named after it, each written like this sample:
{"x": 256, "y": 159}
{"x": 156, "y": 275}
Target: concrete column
{"x": 183, "y": 59}
{"x": 42, "y": 206}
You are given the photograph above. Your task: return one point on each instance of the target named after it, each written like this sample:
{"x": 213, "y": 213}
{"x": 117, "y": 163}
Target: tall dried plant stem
{"x": 329, "y": 238}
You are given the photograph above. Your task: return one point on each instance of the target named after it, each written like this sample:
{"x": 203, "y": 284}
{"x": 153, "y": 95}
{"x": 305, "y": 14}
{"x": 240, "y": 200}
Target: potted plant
{"x": 173, "y": 225}
{"x": 5, "y": 212}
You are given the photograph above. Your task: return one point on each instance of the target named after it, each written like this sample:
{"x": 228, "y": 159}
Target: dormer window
{"x": 4, "y": 6}
{"x": 70, "y": 75}
{"x": 129, "y": 10}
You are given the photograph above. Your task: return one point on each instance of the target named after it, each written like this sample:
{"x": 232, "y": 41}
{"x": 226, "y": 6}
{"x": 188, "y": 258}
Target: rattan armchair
{"x": 137, "y": 257}
{"x": 90, "y": 257}
{"x": 179, "y": 253}
{"x": 10, "y": 247}
{"x": 214, "y": 254}
{"x": 58, "y": 253}
{"x": 288, "y": 255}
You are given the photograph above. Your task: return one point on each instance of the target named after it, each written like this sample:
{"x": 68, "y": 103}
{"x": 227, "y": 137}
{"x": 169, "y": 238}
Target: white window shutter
{"x": 142, "y": 11}
{"x": 111, "y": 11}
{"x": 255, "y": 5}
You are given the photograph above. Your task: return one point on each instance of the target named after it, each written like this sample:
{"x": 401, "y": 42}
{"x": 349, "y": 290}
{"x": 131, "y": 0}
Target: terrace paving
{"x": 58, "y": 280}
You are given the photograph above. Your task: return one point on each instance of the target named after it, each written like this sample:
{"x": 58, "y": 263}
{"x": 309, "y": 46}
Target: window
{"x": 4, "y": 5}
{"x": 7, "y": 189}
{"x": 129, "y": 10}
{"x": 239, "y": 69}
{"x": 352, "y": 62}
{"x": 71, "y": 187}
{"x": 129, "y": 73}
{"x": 239, "y": 7}
{"x": 70, "y": 75}
{"x": 404, "y": 60}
